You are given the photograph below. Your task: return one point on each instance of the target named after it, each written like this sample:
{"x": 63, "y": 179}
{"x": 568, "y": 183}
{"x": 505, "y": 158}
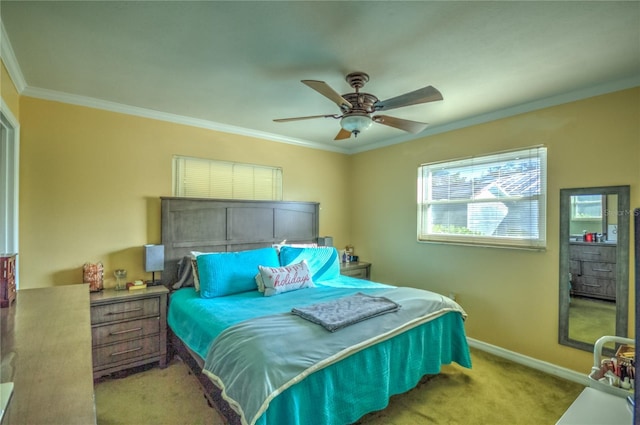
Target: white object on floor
{"x": 594, "y": 407}
{"x": 6, "y": 389}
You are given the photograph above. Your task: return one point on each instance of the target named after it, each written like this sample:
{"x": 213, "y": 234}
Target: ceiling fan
{"x": 356, "y": 108}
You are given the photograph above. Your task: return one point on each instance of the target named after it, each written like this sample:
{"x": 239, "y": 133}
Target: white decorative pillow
{"x": 277, "y": 280}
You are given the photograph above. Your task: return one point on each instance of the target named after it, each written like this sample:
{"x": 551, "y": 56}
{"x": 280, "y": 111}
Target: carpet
{"x": 589, "y": 319}
{"x": 495, "y": 391}
{"x": 169, "y": 396}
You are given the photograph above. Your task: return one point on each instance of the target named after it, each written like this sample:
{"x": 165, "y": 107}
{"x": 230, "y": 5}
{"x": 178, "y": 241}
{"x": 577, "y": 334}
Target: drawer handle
{"x": 119, "y": 353}
{"x": 124, "y": 311}
{"x": 593, "y": 253}
{"x": 124, "y": 331}
{"x": 602, "y": 270}
{"x": 591, "y": 284}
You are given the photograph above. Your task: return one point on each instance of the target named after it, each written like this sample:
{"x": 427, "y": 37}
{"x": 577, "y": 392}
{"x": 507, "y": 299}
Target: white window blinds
{"x": 205, "y": 178}
{"x": 495, "y": 200}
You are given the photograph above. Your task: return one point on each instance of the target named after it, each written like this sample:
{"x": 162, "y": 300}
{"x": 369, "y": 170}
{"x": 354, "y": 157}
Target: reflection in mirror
{"x": 594, "y": 264}
{"x": 592, "y": 296}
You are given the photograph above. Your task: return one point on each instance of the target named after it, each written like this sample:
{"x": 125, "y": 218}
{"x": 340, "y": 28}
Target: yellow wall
{"x": 8, "y": 91}
{"x": 90, "y": 182}
{"x": 511, "y": 296}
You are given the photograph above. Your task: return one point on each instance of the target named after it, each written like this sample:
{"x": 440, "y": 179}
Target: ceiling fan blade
{"x": 406, "y": 125}
{"x": 306, "y": 118}
{"x": 343, "y": 134}
{"x": 423, "y": 95}
{"x": 325, "y": 90}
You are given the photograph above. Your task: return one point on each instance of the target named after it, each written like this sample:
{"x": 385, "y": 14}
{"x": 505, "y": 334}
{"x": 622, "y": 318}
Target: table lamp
{"x": 153, "y": 261}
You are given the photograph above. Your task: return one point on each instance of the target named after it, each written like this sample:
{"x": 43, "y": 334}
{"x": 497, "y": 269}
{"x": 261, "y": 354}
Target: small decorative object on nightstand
{"x": 93, "y": 274}
{"x": 121, "y": 279}
{"x": 129, "y": 328}
{"x": 358, "y": 269}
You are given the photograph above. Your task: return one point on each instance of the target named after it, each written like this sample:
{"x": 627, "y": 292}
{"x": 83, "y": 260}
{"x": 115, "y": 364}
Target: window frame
{"x": 424, "y": 179}
{"x": 9, "y": 184}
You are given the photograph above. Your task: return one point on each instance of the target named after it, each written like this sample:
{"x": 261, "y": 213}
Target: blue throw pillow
{"x": 226, "y": 273}
{"x": 323, "y": 261}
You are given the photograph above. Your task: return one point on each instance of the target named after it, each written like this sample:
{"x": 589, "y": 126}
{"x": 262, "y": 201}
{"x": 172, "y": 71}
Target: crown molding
{"x": 548, "y": 102}
{"x": 551, "y": 101}
{"x": 168, "y": 117}
{"x": 10, "y": 61}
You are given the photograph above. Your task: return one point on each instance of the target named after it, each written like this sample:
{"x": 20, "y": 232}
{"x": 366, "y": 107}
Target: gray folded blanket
{"x": 339, "y": 313}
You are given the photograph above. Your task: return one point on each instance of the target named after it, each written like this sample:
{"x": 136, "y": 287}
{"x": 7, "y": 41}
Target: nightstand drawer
{"x": 359, "y": 270}
{"x": 109, "y": 334}
{"x": 358, "y": 273}
{"x": 125, "y": 310}
{"x": 116, "y": 353}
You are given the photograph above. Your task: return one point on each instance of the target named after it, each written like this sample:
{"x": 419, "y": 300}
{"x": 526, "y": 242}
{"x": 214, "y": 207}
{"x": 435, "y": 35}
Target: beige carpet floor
{"x": 495, "y": 391}
{"x": 590, "y": 319}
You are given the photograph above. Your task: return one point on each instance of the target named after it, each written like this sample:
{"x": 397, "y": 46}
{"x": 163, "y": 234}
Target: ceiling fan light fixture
{"x": 356, "y": 122}
{"x": 357, "y": 107}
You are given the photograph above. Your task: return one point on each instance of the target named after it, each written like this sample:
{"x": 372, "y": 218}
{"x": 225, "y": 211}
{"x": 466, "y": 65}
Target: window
{"x": 587, "y": 207}
{"x": 495, "y": 200}
{"x": 205, "y": 178}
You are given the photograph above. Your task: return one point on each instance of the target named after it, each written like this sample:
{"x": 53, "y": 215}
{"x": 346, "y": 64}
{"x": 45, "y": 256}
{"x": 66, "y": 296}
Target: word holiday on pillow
{"x": 283, "y": 279}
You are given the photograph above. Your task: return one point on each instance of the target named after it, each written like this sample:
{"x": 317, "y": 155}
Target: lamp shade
{"x": 153, "y": 258}
{"x": 355, "y": 122}
{"x": 325, "y": 241}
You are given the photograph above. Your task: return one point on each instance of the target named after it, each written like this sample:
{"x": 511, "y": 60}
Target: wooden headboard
{"x": 220, "y": 225}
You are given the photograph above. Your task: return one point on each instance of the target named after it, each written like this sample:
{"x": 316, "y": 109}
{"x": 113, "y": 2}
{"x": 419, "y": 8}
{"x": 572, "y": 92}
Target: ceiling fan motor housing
{"x": 362, "y": 102}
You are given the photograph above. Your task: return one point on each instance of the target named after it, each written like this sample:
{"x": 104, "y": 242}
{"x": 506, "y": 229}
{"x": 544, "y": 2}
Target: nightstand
{"x": 359, "y": 269}
{"x": 128, "y": 329}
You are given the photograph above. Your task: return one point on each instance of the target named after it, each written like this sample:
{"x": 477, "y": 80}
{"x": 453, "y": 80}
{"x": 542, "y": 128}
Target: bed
{"x": 260, "y": 364}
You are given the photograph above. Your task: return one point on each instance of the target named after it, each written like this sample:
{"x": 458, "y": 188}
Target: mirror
{"x": 594, "y": 264}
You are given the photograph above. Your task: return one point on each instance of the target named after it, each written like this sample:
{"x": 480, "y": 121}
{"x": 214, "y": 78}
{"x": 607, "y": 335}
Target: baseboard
{"x": 546, "y": 367}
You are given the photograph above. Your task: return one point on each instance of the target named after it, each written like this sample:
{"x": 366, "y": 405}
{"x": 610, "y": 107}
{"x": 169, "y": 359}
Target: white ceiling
{"x": 236, "y": 66}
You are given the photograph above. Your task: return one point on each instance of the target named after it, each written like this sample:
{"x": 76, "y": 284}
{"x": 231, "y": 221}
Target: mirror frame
{"x": 622, "y": 261}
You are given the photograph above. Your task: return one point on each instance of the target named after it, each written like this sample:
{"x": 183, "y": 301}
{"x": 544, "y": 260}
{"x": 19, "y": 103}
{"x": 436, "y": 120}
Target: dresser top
{"x": 46, "y": 334}
{"x": 608, "y": 243}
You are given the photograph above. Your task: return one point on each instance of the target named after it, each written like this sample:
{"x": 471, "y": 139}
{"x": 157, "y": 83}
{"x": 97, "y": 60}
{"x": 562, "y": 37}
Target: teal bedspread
{"x": 398, "y": 362}
{"x": 198, "y": 321}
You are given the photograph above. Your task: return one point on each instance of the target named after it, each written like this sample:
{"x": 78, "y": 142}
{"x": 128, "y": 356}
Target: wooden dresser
{"x": 593, "y": 270}
{"x": 129, "y": 328}
{"x": 359, "y": 269}
{"x": 46, "y": 345}
{"x": 7, "y": 279}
